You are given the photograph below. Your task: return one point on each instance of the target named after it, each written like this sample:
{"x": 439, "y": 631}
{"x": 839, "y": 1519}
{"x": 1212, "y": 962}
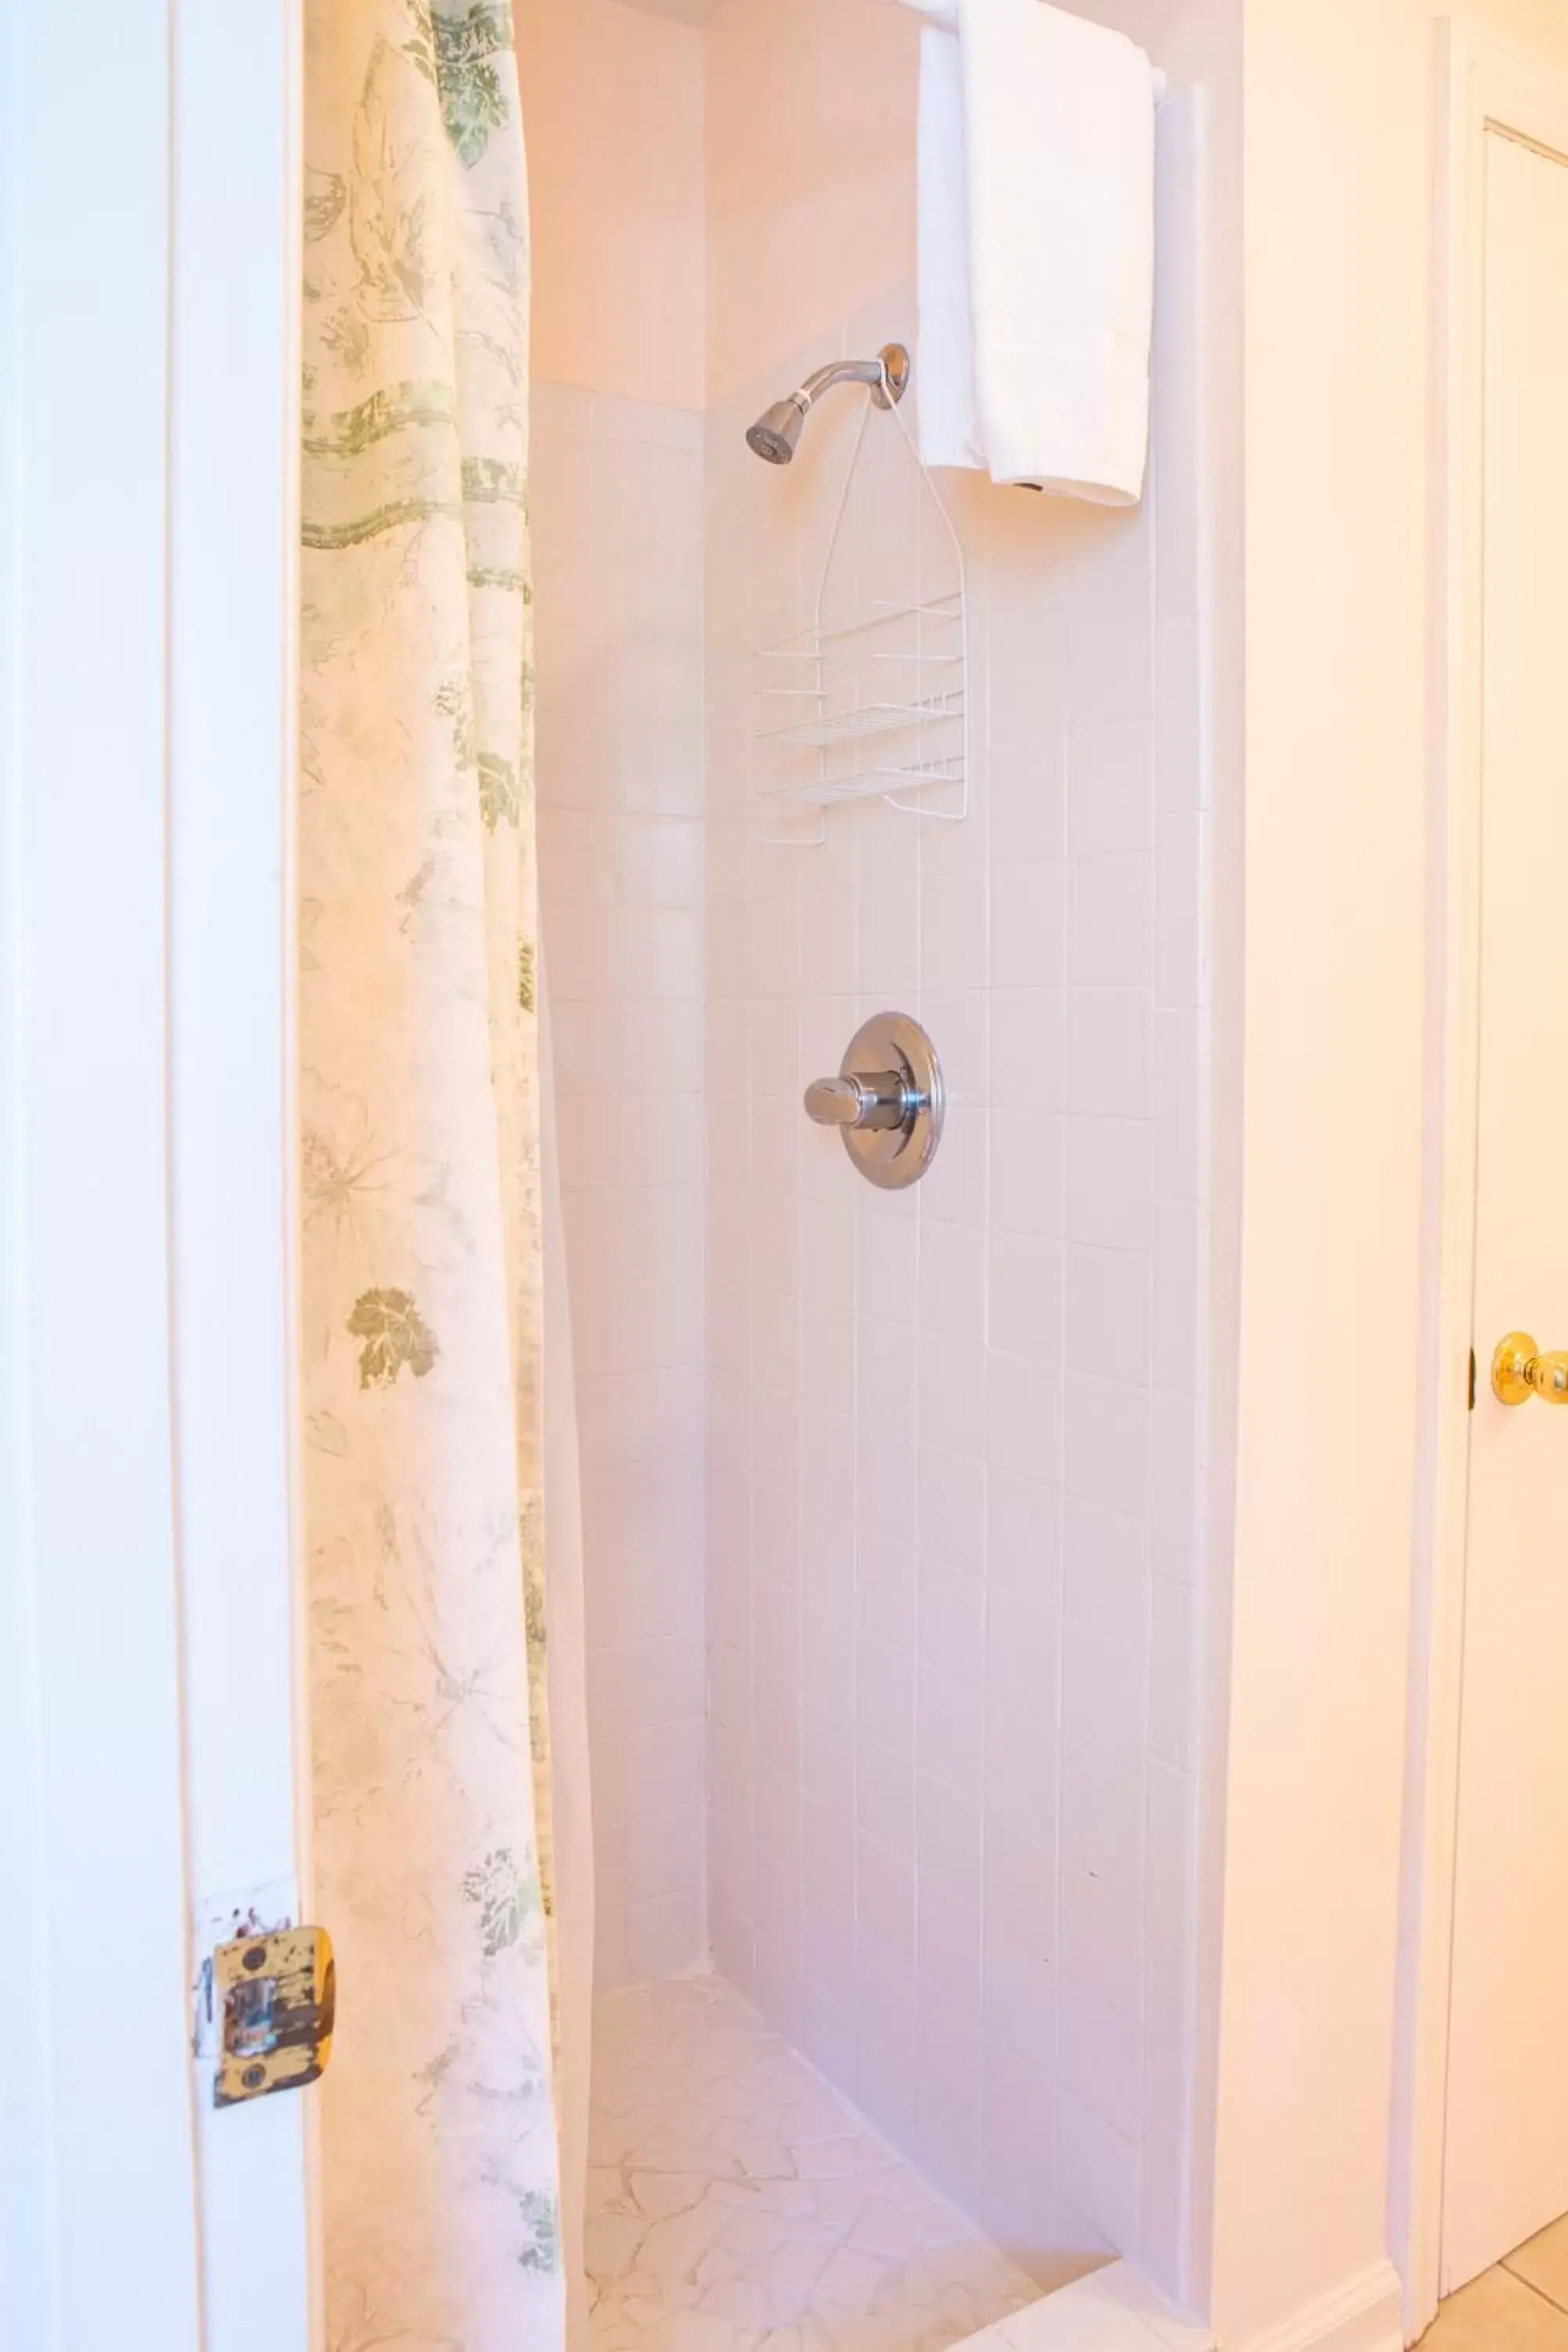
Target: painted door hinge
{"x": 275, "y": 1994}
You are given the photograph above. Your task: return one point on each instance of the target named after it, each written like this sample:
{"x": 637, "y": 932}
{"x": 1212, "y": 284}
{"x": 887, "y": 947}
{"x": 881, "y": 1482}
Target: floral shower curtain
{"x": 424, "y": 1265}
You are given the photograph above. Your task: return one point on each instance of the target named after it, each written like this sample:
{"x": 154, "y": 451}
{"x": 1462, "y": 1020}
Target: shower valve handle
{"x": 885, "y": 1100}
{"x": 888, "y": 1101}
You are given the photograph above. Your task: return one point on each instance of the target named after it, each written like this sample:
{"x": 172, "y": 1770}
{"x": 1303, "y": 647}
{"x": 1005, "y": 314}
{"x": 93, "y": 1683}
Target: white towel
{"x": 1036, "y": 249}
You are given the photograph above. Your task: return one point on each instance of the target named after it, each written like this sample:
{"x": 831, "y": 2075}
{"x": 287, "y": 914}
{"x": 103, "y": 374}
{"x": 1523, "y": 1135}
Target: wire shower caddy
{"x": 870, "y": 701}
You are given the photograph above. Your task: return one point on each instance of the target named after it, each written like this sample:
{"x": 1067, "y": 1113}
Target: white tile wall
{"x": 618, "y": 585}
{"x": 892, "y": 1501}
{"x": 954, "y": 1435}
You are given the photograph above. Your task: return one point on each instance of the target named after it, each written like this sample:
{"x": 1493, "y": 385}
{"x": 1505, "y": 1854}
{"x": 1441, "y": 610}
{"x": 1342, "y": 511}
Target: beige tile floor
{"x": 736, "y": 2203}
{"x": 1521, "y": 2306}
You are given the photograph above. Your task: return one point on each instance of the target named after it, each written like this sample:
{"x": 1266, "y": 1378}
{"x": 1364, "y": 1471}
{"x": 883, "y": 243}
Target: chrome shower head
{"x": 775, "y": 435}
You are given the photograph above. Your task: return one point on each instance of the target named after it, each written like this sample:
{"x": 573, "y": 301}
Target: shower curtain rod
{"x": 946, "y": 14}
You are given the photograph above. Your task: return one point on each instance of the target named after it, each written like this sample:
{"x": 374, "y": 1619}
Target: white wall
{"x": 26, "y": 2252}
{"x": 955, "y": 1435}
{"x": 614, "y": 105}
{"x": 1338, "y": 180}
{"x": 956, "y": 1451}
{"x": 810, "y": 174}
{"x": 617, "y": 506}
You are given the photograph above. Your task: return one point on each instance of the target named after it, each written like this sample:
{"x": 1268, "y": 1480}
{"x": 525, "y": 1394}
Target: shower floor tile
{"x": 737, "y": 2203}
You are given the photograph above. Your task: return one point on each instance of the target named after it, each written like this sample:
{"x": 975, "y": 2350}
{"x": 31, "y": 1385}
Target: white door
{"x": 1506, "y": 2169}
{"x": 148, "y": 1787}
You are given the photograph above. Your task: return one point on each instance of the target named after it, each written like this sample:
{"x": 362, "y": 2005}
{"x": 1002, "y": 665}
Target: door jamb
{"x": 1482, "y": 88}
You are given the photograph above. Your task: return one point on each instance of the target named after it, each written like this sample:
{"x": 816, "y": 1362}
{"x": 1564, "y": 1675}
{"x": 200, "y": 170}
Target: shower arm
{"x": 776, "y": 433}
{"x": 886, "y": 378}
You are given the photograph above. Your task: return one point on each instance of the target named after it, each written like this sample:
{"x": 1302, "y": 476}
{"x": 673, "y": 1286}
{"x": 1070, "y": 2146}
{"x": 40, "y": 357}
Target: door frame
{"x": 152, "y": 1782}
{"x": 1482, "y": 88}
{"x": 237, "y": 105}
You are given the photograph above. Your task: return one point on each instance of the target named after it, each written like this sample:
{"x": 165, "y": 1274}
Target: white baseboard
{"x": 1116, "y": 2310}
{"x": 1366, "y": 2315}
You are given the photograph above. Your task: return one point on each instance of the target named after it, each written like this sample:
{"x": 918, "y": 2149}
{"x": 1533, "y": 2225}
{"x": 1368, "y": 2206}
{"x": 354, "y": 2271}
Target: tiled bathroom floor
{"x": 736, "y": 2203}
{"x": 1519, "y": 2306}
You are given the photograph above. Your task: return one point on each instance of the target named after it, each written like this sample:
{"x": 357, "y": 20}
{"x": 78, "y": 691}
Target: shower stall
{"x": 892, "y": 1491}
{"x": 646, "y": 1473}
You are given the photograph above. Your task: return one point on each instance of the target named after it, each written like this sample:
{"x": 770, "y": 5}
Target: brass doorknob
{"x": 1520, "y": 1371}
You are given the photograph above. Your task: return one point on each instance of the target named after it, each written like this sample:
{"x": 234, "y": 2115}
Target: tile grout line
{"x": 1539, "y": 2292}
